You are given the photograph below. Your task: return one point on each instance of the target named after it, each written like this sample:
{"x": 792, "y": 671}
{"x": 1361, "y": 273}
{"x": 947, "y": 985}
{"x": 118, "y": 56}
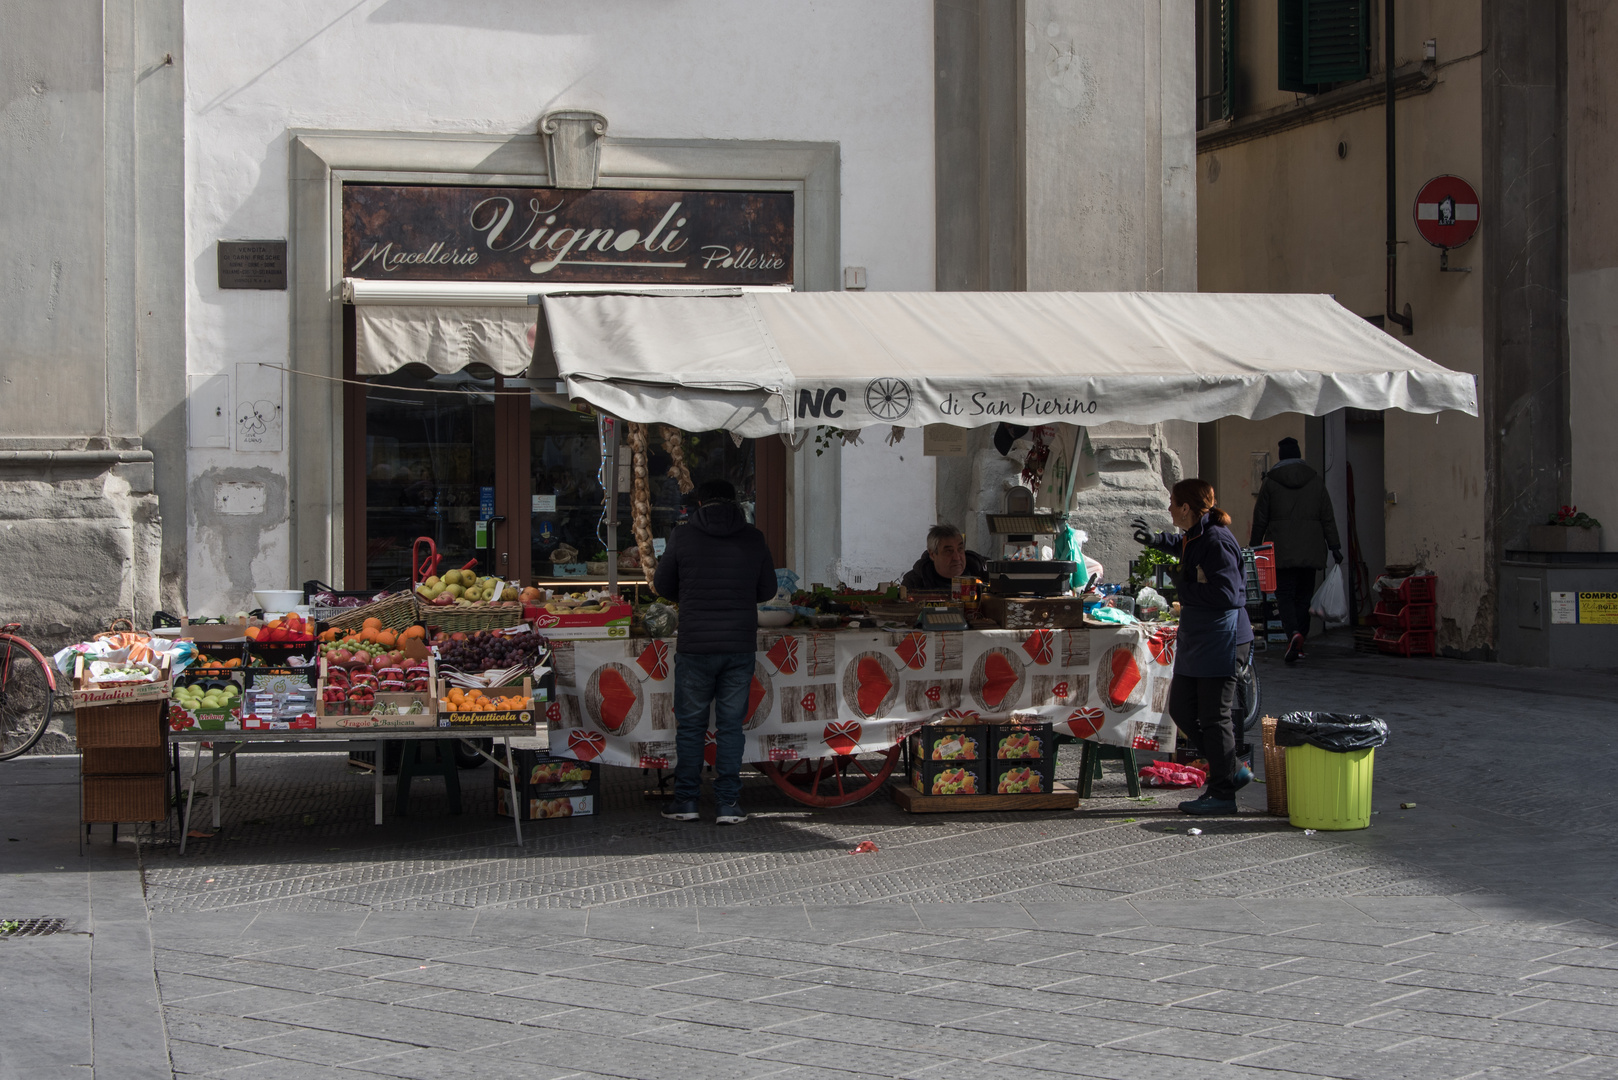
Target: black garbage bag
{"x": 1337, "y": 732}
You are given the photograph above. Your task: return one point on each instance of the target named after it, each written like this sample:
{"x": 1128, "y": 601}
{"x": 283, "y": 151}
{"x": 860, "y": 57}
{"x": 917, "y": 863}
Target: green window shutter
{"x": 1289, "y": 50}
{"x": 1334, "y": 45}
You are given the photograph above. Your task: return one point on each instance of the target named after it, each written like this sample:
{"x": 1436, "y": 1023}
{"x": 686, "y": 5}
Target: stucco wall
{"x": 1285, "y": 213}
{"x": 853, "y": 73}
{"x": 1592, "y": 92}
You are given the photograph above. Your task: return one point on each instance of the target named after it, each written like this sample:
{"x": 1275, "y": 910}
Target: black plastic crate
{"x": 1020, "y": 776}
{"x": 1020, "y": 742}
{"x": 946, "y": 777}
{"x": 950, "y": 742}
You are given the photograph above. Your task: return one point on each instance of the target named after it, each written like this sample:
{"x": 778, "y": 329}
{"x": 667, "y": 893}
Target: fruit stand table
{"x": 829, "y": 710}
{"x": 225, "y": 745}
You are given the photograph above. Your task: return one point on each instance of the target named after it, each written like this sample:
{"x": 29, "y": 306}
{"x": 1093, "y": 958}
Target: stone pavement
{"x": 1475, "y": 935}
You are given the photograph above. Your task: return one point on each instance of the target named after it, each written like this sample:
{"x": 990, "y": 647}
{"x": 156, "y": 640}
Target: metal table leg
{"x": 511, "y": 779}
{"x": 190, "y": 796}
{"x": 214, "y": 790}
{"x": 376, "y": 777}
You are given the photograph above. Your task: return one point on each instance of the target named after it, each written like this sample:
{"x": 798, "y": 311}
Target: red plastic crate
{"x": 1264, "y": 566}
{"x": 1406, "y": 617}
{"x": 1408, "y": 643}
{"x": 1415, "y": 589}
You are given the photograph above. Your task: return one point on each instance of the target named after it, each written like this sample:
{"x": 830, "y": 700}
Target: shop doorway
{"x": 431, "y": 455}
{"x": 1363, "y": 430}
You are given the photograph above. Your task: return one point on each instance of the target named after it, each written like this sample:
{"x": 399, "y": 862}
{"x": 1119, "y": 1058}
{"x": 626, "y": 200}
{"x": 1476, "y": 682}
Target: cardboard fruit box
{"x": 549, "y": 787}
{"x": 87, "y": 692}
{"x": 361, "y": 706}
{"x": 573, "y": 626}
{"x": 271, "y": 710}
{"x": 449, "y": 717}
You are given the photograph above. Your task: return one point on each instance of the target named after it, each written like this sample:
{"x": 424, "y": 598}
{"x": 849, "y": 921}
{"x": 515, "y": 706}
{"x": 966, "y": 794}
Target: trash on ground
{"x": 1308, "y": 832}
{"x": 1193, "y": 832}
{"x": 1407, "y": 806}
{"x": 864, "y": 847}
{"x": 1171, "y": 774}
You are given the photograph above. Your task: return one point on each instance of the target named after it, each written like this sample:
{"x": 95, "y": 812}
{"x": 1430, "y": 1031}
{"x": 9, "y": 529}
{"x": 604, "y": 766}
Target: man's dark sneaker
{"x": 685, "y": 810}
{"x": 1207, "y": 804}
{"x": 1244, "y": 776}
{"x": 1294, "y": 649}
{"x": 730, "y": 815}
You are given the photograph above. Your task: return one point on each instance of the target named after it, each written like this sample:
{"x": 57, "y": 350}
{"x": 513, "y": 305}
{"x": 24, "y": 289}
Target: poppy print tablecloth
{"x": 816, "y": 693}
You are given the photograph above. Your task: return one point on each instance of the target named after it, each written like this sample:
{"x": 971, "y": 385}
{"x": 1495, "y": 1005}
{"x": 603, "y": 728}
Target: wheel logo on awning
{"x": 887, "y": 399}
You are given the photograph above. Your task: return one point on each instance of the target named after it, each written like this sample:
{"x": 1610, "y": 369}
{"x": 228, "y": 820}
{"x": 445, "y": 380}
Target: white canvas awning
{"x": 766, "y": 363}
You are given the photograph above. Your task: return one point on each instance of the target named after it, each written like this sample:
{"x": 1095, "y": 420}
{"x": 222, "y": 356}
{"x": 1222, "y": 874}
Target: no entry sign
{"x": 1446, "y": 211}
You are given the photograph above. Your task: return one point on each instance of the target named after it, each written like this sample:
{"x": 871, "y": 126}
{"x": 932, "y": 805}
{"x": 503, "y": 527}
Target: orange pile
{"x": 233, "y": 662}
{"x": 459, "y": 700}
{"x": 372, "y": 631}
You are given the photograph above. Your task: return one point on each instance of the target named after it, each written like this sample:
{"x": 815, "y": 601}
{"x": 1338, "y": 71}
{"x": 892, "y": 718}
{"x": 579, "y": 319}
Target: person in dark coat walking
{"x": 718, "y": 569}
{"x": 1294, "y": 513}
{"x": 1213, "y": 640}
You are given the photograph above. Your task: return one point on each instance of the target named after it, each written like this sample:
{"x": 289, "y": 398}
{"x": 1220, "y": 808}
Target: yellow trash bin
{"x": 1328, "y": 790}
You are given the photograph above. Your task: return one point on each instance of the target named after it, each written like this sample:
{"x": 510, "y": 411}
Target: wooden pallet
{"x": 1062, "y": 798}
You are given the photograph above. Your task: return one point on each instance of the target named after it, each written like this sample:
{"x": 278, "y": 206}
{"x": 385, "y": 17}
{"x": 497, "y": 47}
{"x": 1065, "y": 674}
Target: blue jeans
{"x": 722, "y": 680}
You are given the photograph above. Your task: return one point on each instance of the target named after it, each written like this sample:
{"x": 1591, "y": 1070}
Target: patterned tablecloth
{"x": 816, "y": 694}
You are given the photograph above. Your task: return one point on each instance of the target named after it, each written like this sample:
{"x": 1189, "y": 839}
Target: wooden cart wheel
{"x": 833, "y": 781}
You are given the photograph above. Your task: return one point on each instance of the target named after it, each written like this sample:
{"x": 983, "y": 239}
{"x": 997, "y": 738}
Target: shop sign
{"x": 950, "y": 401}
{"x": 546, "y": 235}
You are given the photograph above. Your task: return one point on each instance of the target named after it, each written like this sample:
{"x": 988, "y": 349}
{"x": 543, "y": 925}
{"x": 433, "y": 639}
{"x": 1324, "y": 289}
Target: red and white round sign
{"x": 1446, "y": 211}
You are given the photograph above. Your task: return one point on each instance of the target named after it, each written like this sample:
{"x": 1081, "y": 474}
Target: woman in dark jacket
{"x": 1214, "y": 636}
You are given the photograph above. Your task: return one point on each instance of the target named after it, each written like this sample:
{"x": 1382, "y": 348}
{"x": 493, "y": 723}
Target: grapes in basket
{"x": 487, "y": 650}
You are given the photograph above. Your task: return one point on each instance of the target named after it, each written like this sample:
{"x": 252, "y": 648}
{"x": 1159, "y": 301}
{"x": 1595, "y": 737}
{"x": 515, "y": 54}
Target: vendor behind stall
{"x": 946, "y": 558}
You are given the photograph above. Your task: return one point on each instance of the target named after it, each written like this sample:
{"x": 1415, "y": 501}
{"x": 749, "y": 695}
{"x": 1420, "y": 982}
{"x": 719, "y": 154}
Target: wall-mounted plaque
{"x": 252, "y": 264}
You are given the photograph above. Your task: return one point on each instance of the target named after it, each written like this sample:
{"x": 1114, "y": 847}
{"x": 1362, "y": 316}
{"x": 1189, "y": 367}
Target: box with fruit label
{"x": 271, "y": 710}
{"x": 548, "y": 787}
{"x": 950, "y": 742}
{"x": 361, "y": 691}
{"x": 492, "y": 707}
{"x": 955, "y": 777}
{"x": 1022, "y": 759}
{"x": 567, "y": 619}
{"x": 206, "y": 707}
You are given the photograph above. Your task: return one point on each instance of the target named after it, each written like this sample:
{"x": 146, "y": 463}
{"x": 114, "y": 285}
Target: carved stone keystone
{"x": 573, "y": 146}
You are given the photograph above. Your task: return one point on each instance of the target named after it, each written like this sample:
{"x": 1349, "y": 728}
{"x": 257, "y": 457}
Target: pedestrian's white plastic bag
{"x": 1331, "y": 599}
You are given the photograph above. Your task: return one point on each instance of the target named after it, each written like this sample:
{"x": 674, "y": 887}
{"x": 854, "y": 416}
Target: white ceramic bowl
{"x": 278, "y": 600}
{"x": 775, "y": 617}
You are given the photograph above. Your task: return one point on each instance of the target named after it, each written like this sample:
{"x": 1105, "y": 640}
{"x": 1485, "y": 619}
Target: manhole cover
{"x": 31, "y": 927}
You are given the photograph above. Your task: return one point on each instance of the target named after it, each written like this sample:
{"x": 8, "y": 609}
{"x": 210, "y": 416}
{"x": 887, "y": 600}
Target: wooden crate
{"x": 1034, "y": 612}
{"x": 136, "y": 724}
{"x": 124, "y": 761}
{"x": 1061, "y": 798}
{"x": 114, "y": 799}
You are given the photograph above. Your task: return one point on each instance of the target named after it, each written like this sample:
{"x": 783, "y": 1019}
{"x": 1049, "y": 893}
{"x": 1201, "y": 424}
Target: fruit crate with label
{"x": 1021, "y": 759}
{"x": 358, "y": 696}
{"x": 948, "y": 759}
{"x": 549, "y": 787}
{"x": 496, "y": 706}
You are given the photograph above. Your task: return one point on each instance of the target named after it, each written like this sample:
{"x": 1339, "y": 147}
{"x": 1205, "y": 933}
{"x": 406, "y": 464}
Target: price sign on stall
{"x": 1446, "y": 212}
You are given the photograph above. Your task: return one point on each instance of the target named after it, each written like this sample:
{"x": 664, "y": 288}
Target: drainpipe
{"x": 1406, "y": 320}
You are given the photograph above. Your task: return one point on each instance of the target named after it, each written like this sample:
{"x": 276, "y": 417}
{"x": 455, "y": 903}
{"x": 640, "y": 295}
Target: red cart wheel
{"x": 833, "y": 781}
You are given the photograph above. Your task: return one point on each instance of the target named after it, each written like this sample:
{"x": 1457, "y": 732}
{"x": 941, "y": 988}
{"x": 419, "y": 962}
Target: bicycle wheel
{"x": 26, "y": 698}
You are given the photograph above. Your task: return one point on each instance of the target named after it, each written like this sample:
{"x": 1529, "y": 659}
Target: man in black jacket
{"x": 946, "y": 559}
{"x": 718, "y": 569}
{"x": 1294, "y": 512}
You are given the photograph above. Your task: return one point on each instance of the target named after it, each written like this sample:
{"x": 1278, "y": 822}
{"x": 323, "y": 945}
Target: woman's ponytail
{"x": 1199, "y": 496}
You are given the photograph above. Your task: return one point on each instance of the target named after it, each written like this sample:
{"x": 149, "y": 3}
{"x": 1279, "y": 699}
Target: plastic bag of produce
{"x": 1338, "y": 732}
{"x": 1330, "y": 601}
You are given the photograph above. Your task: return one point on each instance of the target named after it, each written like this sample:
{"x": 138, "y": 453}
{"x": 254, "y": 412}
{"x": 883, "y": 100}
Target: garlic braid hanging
{"x": 640, "y": 499}
{"x": 674, "y": 443}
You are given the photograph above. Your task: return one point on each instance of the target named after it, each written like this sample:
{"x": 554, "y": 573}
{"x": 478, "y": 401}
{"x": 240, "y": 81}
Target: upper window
{"x": 1216, "y": 61}
{"x": 1323, "y": 42}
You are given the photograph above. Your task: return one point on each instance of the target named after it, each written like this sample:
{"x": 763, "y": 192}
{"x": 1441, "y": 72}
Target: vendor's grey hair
{"x": 938, "y": 534}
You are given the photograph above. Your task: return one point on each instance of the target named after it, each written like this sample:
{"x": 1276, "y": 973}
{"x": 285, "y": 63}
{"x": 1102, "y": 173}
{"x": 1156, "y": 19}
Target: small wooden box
{"x": 1034, "y": 612}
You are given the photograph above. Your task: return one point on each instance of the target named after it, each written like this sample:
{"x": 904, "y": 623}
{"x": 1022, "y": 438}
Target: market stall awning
{"x": 765, "y": 363}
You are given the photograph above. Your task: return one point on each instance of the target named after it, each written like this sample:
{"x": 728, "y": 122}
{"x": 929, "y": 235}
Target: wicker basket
{"x": 124, "y": 761}
{"x": 139, "y": 724}
{"x": 123, "y": 798}
{"x": 1275, "y": 770}
{"x": 467, "y": 619}
{"x": 395, "y": 613}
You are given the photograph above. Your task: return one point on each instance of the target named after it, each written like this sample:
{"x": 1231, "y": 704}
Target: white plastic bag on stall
{"x": 1331, "y": 599}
